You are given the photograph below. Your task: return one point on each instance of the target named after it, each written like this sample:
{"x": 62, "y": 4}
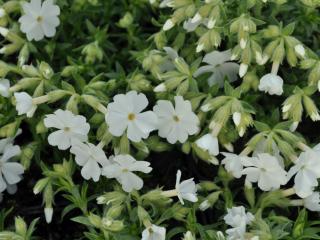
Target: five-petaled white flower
{"x": 122, "y": 167}
{"x": 266, "y": 170}
{"x": 232, "y": 163}
{"x": 91, "y": 158}
{"x": 125, "y": 114}
{"x": 24, "y": 104}
{"x": 154, "y": 232}
{"x": 10, "y": 172}
{"x": 176, "y": 123}
{"x": 307, "y": 171}
{"x": 186, "y": 189}
{"x": 272, "y": 84}
{"x": 4, "y": 87}
{"x": 71, "y": 128}
{"x": 39, "y": 19}
{"x": 220, "y": 66}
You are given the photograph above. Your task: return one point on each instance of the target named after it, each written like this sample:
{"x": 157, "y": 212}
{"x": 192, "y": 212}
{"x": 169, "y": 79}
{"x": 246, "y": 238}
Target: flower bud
{"x": 45, "y": 70}
{"x": 126, "y": 20}
{"x": 311, "y": 108}
{"x": 20, "y": 226}
{"x": 48, "y": 213}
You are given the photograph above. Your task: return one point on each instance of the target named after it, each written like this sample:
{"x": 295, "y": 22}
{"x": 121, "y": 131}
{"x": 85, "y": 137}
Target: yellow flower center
{"x": 66, "y": 129}
{"x": 176, "y": 118}
{"x": 131, "y": 116}
{"x": 39, "y": 19}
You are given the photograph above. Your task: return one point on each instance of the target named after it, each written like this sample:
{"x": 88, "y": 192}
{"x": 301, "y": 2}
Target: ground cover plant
{"x": 159, "y": 119}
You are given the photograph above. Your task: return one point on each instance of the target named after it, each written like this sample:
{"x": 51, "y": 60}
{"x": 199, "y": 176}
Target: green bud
{"x": 92, "y": 53}
{"x": 207, "y": 186}
{"x": 115, "y": 211}
{"x": 112, "y": 225}
{"x": 271, "y": 47}
{"x": 126, "y": 20}
{"x": 40, "y": 185}
{"x": 143, "y": 214}
{"x": 20, "y": 226}
{"x": 11, "y": 6}
{"x": 68, "y": 70}
{"x": 182, "y": 66}
{"x": 41, "y": 128}
{"x": 27, "y": 153}
{"x": 186, "y": 147}
{"x": 57, "y": 95}
{"x": 72, "y": 104}
{"x": 45, "y": 70}
{"x": 183, "y": 88}
{"x": 9, "y": 130}
{"x": 10, "y": 48}
{"x": 179, "y": 212}
{"x": 23, "y": 55}
{"x": 124, "y": 145}
{"x": 291, "y": 57}
{"x": 311, "y": 108}
{"x": 30, "y": 70}
{"x": 160, "y": 39}
{"x": 279, "y": 53}
{"x": 272, "y": 31}
{"x": 114, "y": 198}
{"x": 95, "y": 220}
{"x": 4, "y": 69}
{"x": 156, "y": 145}
{"x": 250, "y": 195}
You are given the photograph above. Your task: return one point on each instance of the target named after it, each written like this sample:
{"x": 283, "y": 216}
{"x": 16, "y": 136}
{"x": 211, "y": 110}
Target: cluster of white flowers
{"x": 10, "y": 171}
{"x": 238, "y": 219}
{"x": 124, "y": 116}
{"x": 174, "y": 123}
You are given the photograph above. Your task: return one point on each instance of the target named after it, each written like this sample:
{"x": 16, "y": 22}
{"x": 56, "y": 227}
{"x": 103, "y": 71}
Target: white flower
{"x": 186, "y": 189}
{"x": 209, "y": 143}
{"x": 90, "y": 157}
{"x": 176, "y": 123}
{"x": 125, "y": 114}
{"x": 272, "y": 84}
{"x": 154, "y": 232}
{"x": 237, "y": 216}
{"x": 312, "y": 202}
{"x": 24, "y": 104}
{"x": 233, "y": 164}
{"x": 307, "y": 171}
{"x": 266, "y": 170}
{"x": 4, "y": 87}
{"x": 10, "y": 172}
{"x": 166, "y": 3}
{"x": 71, "y": 128}
{"x": 220, "y": 66}
{"x": 122, "y": 168}
{"x": 39, "y": 20}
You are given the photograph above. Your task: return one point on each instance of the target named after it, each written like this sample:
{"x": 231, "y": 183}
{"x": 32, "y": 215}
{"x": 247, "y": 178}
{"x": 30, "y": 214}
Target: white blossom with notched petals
{"x": 266, "y": 170}
{"x": 220, "y": 66}
{"x": 154, "y": 232}
{"x": 92, "y": 158}
{"x": 176, "y": 123}
{"x": 40, "y": 19}
{"x": 272, "y": 84}
{"x": 306, "y": 171}
{"x": 125, "y": 114}
{"x": 122, "y": 167}
{"x": 10, "y": 172}
{"x": 71, "y": 128}
{"x": 24, "y": 104}
{"x": 186, "y": 189}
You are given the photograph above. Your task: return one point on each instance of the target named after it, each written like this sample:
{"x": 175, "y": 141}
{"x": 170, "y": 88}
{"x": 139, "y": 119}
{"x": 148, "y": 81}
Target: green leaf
{"x": 261, "y": 127}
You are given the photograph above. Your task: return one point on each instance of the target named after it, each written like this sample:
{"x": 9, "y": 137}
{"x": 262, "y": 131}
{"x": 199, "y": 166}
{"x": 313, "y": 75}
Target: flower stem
{"x": 296, "y": 202}
{"x": 40, "y": 100}
{"x": 275, "y": 68}
{"x": 288, "y": 192}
